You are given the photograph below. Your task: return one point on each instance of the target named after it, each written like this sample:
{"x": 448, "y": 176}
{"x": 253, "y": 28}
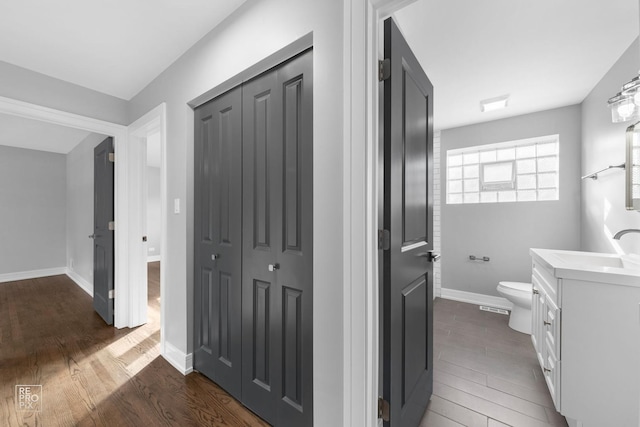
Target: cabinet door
{"x": 551, "y": 369}
{"x": 537, "y": 326}
{"x": 552, "y": 327}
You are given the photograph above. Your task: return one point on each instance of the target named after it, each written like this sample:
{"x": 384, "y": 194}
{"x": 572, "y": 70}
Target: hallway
{"x": 92, "y": 374}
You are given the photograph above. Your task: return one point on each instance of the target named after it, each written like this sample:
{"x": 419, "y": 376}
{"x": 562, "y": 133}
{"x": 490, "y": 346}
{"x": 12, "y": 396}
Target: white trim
{"x": 33, "y": 274}
{"x": 80, "y": 281}
{"x": 477, "y": 299}
{"x": 153, "y": 121}
{"x": 119, "y": 134}
{"x": 360, "y": 200}
{"x": 183, "y": 362}
{"x": 154, "y": 258}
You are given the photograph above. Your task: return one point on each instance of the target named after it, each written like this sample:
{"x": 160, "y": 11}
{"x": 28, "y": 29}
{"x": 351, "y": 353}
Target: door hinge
{"x": 383, "y": 409}
{"x": 112, "y": 157}
{"x": 112, "y": 226}
{"x": 384, "y": 69}
{"x": 384, "y": 240}
{"x": 112, "y": 294}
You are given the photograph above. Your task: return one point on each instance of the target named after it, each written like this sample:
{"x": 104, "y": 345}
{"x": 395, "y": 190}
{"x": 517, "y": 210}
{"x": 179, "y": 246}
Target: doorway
{"x": 127, "y": 311}
{"x": 148, "y": 229}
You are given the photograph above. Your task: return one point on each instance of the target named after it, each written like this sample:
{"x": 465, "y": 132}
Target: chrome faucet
{"x": 621, "y": 233}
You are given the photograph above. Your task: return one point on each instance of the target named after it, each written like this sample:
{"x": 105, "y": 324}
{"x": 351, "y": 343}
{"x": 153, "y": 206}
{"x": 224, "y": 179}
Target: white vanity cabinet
{"x": 586, "y": 333}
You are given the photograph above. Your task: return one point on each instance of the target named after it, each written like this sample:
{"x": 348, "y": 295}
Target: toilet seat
{"x": 517, "y": 286}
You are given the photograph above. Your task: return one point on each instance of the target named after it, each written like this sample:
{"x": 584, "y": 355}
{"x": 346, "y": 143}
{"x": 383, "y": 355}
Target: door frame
{"x": 362, "y": 50}
{"x": 124, "y": 311}
{"x": 150, "y": 123}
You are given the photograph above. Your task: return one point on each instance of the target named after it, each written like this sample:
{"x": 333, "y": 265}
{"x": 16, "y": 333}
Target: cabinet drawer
{"x": 545, "y": 281}
{"x": 551, "y": 323}
{"x": 551, "y": 370}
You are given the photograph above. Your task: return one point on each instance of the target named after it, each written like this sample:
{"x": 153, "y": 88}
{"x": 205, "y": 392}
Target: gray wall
{"x": 29, "y": 86}
{"x": 505, "y": 231}
{"x": 79, "y": 164}
{"x": 239, "y": 42}
{"x": 603, "y": 211}
{"x": 32, "y": 210}
{"x": 154, "y": 220}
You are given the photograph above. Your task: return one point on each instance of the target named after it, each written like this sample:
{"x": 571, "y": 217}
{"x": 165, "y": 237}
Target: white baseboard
{"x": 34, "y": 274}
{"x": 181, "y": 361}
{"x": 81, "y": 282}
{"x": 153, "y": 258}
{"x": 473, "y": 298}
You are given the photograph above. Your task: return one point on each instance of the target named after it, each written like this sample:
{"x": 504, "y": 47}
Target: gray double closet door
{"x": 253, "y": 282}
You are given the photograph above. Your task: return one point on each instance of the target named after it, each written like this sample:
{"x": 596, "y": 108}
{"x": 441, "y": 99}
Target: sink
{"x": 596, "y": 260}
{"x": 591, "y": 266}
{"x": 590, "y": 259}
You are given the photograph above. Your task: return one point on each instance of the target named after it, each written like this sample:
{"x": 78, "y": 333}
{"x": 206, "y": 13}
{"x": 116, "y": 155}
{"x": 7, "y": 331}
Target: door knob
{"x": 274, "y": 267}
{"x": 430, "y": 256}
{"x": 94, "y": 236}
{"x": 215, "y": 256}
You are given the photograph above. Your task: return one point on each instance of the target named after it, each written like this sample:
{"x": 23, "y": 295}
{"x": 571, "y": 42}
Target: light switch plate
{"x": 176, "y": 206}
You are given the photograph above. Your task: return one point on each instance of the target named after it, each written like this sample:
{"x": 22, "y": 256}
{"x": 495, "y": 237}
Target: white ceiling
{"x": 36, "y": 135}
{"x": 116, "y": 47}
{"x": 545, "y": 53}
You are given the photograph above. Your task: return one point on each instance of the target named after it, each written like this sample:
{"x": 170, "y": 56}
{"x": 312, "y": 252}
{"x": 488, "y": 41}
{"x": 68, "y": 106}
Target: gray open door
{"x": 103, "y": 239}
{"x": 407, "y": 279}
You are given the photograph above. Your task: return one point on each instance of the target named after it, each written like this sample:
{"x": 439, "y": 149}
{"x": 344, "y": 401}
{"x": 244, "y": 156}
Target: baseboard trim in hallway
{"x": 33, "y": 274}
{"x": 183, "y": 362}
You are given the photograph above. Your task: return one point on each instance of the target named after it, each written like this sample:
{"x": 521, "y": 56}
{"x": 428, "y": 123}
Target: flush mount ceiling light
{"x": 494, "y": 103}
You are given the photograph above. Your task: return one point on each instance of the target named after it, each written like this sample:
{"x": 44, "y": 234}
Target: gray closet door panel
{"x": 261, "y": 199}
{"x": 218, "y": 240}
{"x": 295, "y": 277}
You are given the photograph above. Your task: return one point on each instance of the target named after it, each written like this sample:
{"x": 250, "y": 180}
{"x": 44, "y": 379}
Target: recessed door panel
{"x": 262, "y": 178}
{"x": 224, "y": 162}
{"x": 292, "y": 160}
{"x": 414, "y": 340}
{"x": 292, "y": 346}
{"x": 261, "y": 334}
{"x": 206, "y": 307}
{"x": 414, "y": 174}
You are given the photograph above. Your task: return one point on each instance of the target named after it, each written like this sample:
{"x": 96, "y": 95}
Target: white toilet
{"x": 520, "y": 295}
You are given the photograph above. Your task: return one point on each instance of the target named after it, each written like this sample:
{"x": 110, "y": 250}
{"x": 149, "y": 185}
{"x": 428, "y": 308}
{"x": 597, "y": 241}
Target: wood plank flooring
{"x": 485, "y": 373}
{"x": 93, "y": 374}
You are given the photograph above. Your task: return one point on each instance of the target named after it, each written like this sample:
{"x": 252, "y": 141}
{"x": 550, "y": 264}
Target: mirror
{"x": 632, "y": 168}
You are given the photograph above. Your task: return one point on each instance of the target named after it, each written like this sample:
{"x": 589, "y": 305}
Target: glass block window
{"x": 526, "y": 170}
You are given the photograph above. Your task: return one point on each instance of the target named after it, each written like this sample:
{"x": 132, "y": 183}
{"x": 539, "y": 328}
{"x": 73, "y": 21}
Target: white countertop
{"x": 590, "y": 266}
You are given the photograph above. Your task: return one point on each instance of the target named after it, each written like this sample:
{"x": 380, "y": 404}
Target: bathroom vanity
{"x": 586, "y": 333}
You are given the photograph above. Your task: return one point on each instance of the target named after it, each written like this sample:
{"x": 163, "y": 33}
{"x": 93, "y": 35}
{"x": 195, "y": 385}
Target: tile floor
{"x": 485, "y": 373}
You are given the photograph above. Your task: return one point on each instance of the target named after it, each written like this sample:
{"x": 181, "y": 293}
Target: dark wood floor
{"x": 92, "y": 374}
{"x": 485, "y": 373}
